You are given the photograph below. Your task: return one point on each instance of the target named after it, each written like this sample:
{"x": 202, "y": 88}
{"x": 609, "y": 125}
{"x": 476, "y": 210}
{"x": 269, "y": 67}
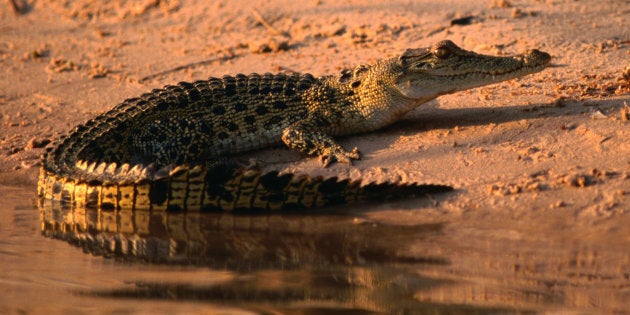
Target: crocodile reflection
{"x": 320, "y": 262}
{"x": 331, "y": 262}
{"x": 223, "y": 240}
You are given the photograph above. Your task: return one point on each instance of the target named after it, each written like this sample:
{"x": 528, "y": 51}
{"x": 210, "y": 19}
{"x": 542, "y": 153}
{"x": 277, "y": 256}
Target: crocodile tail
{"x": 220, "y": 187}
{"x": 231, "y": 188}
{"x": 305, "y": 192}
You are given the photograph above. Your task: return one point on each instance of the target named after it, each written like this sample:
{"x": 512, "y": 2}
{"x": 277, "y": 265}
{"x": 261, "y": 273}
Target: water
{"x": 58, "y": 260}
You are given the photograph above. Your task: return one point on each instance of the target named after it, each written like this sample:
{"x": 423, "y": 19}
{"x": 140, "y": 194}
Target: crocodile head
{"x": 446, "y": 68}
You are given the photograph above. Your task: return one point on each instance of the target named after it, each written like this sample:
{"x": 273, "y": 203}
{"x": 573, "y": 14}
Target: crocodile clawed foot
{"x": 340, "y": 156}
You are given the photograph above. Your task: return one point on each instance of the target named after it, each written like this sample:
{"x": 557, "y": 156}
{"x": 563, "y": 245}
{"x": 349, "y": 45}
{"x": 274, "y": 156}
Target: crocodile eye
{"x": 442, "y": 52}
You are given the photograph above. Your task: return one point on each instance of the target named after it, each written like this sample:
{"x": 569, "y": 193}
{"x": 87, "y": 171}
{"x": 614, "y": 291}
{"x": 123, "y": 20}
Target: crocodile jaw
{"x": 446, "y": 68}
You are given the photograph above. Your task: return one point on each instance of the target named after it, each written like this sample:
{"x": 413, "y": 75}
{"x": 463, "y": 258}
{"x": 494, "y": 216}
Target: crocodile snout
{"x": 535, "y": 57}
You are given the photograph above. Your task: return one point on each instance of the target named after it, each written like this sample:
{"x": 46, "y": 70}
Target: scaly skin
{"x": 164, "y": 149}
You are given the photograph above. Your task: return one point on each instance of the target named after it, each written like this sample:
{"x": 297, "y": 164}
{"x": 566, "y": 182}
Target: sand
{"x": 540, "y": 160}
{"x": 554, "y": 141}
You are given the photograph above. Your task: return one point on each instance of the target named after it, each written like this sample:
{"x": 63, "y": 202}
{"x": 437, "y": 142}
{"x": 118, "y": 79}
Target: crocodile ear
{"x": 411, "y": 54}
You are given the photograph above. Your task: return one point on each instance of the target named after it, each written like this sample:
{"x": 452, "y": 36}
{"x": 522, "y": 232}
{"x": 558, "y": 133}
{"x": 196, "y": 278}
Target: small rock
{"x": 35, "y": 143}
{"x": 331, "y": 30}
{"x": 534, "y": 186}
{"x": 598, "y": 115}
{"x": 577, "y": 180}
{"x": 503, "y": 189}
{"x": 267, "y": 46}
{"x": 97, "y": 71}
{"x": 61, "y": 65}
{"x": 558, "y": 204}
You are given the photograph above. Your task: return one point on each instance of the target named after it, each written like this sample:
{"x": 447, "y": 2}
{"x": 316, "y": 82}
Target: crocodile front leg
{"x": 305, "y": 136}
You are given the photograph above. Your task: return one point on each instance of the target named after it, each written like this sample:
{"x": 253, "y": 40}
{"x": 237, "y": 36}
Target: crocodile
{"x": 172, "y": 148}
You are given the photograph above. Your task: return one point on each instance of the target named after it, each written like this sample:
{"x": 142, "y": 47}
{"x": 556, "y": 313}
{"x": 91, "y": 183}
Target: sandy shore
{"x": 555, "y": 140}
{"x": 545, "y": 156}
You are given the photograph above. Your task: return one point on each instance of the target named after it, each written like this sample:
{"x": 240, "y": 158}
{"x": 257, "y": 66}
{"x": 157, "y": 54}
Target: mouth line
{"x": 524, "y": 68}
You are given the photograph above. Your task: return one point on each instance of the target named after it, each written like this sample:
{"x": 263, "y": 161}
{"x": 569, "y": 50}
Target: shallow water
{"x": 76, "y": 260}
